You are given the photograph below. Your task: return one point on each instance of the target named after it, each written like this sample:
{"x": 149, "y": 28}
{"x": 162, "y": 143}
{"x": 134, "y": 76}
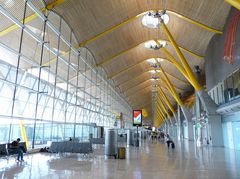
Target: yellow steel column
{"x": 174, "y": 93}
{"x": 161, "y": 112}
{"x": 185, "y": 64}
{"x": 162, "y": 107}
{"x": 23, "y": 132}
{"x": 159, "y": 101}
{"x": 164, "y": 97}
{"x": 158, "y": 119}
{"x": 177, "y": 65}
{"x": 234, "y": 3}
{"x": 170, "y": 85}
{"x": 31, "y": 17}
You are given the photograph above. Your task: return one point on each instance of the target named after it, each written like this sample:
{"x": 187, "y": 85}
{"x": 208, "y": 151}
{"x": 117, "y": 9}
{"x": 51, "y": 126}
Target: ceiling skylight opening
{"x": 152, "y": 19}
{"x": 151, "y": 60}
{"x": 152, "y": 71}
{"x": 151, "y": 44}
{"x": 159, "y": 60}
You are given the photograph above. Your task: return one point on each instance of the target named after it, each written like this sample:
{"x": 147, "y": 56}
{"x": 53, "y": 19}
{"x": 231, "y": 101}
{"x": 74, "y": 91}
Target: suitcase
{"x": 173, "y": 145}
{"x": 121, "y": 152}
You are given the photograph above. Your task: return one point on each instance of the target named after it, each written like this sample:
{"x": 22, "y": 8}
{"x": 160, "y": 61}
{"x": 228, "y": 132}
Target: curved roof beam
{"x": 31, "y": 17}
{"x": 135, "y": 46}
{"x": 141, "y": 14}
{"x": 168, "y": 94}
{"x": 142, "y": 105}
{"x": 135, "y": 91}
{"x": 134, "y": 65}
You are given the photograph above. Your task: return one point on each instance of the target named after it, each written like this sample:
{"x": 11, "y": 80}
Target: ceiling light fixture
{"x": 152, "y": 71}
{"x": 152, "y": 19}
{"x": 151, "y": 60}
{"x": 151, "y": 44}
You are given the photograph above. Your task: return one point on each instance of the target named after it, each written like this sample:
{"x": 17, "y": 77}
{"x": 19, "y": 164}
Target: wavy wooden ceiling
{"x": 89, "y": 18}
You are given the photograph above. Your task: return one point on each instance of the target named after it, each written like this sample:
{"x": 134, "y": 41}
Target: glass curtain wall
{"x": 50, "y": 89}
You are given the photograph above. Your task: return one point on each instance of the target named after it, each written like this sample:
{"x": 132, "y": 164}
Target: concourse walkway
{"x": 150, "y": 161}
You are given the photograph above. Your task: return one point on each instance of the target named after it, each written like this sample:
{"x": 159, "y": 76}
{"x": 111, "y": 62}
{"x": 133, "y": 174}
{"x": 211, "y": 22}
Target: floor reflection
{"x": 149, "y": 161}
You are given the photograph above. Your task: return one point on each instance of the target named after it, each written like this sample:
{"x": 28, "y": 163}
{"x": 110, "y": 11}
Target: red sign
{"x": 137, "y": 117}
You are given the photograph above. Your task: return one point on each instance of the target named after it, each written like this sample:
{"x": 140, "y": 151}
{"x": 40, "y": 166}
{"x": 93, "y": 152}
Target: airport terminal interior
{"x": 120, "y": 89}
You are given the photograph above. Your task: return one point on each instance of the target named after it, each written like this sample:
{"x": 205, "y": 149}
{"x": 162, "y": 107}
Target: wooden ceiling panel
{"x": 94, "y": 17}
{"x": 134, "y": 81}
{"x": 123, "y": 47}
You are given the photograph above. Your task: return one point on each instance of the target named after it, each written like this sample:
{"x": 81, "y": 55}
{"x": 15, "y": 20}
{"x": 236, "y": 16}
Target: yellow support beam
{"x": 174, "y": 93}
{"x": 164, "y": 116}
{"x": 234, "y": 3}
{"x": 117, "y": 55}
{"x": 127, "y": 81}
{"x": 166, "y": 100}
{"x": 141, "y": 14}
{"x": 163, "y": 106}
{"x": 177, "y": 65}
{"x": 159, "y": 117}
{"x": 23, "y": 132}
{"x": 126, "y": 69}
{"x": 121, "y": 53}
{"x": 132, "y": 94}
{"x": 146, "y": 87}
{"x": 136, "y": 85}
{"x": 185, "y": 64}
{"x": 199, "y": 24}
{"x": 144, "y": 97}
{"x": 142, "y": 105}
{"x": 160, "y": 113}
{"x": 135, "y": 46}
{"x": 31, "y": 17}
{"x": 158, "y": 120}
{"x": 164, "y": 113}
{"x": 134, "y": 65}
{"x": 172, "y": 87}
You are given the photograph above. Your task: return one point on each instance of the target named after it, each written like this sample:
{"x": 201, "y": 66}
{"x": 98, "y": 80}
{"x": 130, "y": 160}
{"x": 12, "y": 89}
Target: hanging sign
{"x": 137, "y": 117}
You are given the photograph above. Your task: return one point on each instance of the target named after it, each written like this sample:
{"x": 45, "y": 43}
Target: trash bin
{"x": 111, "y": 143}
{"x": 121, "y": 152}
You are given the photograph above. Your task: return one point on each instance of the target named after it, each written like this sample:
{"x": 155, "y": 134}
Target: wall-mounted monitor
{"x": 137, "y": 117}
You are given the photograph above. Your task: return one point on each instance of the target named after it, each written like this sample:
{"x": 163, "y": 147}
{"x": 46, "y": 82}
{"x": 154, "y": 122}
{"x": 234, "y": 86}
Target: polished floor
{"x": 150, "y": 161}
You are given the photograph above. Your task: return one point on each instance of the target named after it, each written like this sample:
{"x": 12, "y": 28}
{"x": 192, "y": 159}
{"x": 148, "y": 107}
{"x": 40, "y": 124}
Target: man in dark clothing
{"x": 169, "y": 141}
{"x": 17, "y": 149}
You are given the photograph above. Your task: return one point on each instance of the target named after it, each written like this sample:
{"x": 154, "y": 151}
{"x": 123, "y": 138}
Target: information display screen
{"x": 137, "y": 117}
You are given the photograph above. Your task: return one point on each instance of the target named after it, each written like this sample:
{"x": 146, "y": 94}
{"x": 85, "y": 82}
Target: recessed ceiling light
{"x": 151, "y": 60}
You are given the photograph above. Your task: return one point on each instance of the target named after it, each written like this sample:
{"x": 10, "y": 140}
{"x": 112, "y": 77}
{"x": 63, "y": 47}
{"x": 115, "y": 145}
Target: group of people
{"x": 160, "y": 136}
{"x": 156, "y": 136}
